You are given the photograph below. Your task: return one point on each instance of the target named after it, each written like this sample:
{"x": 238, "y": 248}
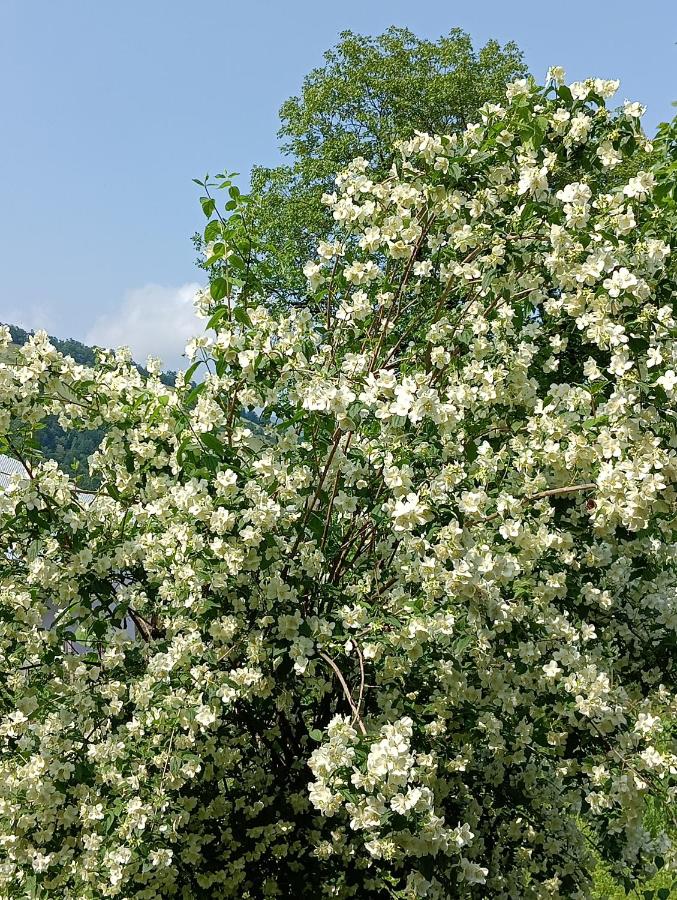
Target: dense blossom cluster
{"x": 411, "y": 636}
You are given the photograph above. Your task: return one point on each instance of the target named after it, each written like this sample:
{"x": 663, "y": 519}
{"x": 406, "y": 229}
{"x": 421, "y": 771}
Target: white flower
{"x": 556, "y": 74}
{"x": 591, "y": 370}
{"x": 647, "y": 724}
{"x": 551, "y": 669}
{"x": 621, "y": 280}
{"x": 606, "y": 87}
{"x": 668, "y": 381}
{"x": 517, "y": 88}
{"x": 609, "y": 157}
{"x": 409, "y": 513}
{"x": 472, "y": 873}
{"x": 323, "y": 799}
{"x": 640, "y": 186}
{"x": 654, "y": 357}
{"x": 205, "y": 716}
{"x": 579, "y": 129}
{"x": 400, "y": 804}
{"x": 462, "y": 835}
{"x": 580, "y": 89}
{"x": 633, "y": 110}
{"x": 652, "y": 758}
{"x": 534, "y": 180}
{"x": 41, "y": 861}
{"x": 314, "y": 274}
{"x": 575, "y": 193}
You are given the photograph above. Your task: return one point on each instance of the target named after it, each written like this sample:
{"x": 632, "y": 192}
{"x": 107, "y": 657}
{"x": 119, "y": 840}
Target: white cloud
{"x": 30, "y": 317}
{"x": 154, "y": 320}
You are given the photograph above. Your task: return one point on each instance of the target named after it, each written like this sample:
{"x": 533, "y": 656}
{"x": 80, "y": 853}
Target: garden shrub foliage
{"x": 414, "y": 636}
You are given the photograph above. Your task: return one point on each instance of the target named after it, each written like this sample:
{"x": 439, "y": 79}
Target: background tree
{"x": 370, "y": 92}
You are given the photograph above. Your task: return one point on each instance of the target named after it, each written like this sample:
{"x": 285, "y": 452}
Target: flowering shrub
{"x": 412, "y": 636}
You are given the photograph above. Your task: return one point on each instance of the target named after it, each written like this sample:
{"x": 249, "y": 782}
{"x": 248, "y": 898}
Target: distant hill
{"x": 71, "y": 449}
{"x": 78, "y": 351}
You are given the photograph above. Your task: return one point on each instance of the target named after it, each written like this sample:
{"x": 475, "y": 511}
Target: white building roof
{"x": 10, "y": 467}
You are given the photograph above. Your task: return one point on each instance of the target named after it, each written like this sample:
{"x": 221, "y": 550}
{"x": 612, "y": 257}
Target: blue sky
{"x": 110, "y": 109}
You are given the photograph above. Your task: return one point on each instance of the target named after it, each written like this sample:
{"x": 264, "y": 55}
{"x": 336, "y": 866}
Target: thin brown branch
{"x": 346, "y": 691}
{"x": 362, "y": 681}
{"x": 551, "y": 492}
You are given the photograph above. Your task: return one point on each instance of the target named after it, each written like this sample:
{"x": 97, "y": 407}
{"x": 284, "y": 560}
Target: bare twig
{"x": 551, "y": 492}
{"x": 362, "y": 681}
{"x": 346, "y": 691}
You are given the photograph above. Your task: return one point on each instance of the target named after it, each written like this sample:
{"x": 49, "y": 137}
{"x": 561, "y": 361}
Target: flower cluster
{"x": 384, "y": 603}
{"x": 394, "y": 796}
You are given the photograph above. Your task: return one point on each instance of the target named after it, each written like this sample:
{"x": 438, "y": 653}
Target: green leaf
{"x": 596, "y": 422}
{"x": 99, "y": 628}
{"x": 242, "y": 316}
{"x": 316, "y": 734}
{"x": 195, "y": 393}
{"x": 455, "y": 171}
{"x": 538, "y": 131}
{"x": 219, "y": 288}
{"x": 208, "y": 205}
{"x": 212, "y": 230}
{"x": 217, "y": 316}
{"x": 236, "y": 262}
{"x": 192, "y": 370}
{"x": 461, "y": 644}
{"x": 210, "y": 440}
{"x": 315, "y": 523}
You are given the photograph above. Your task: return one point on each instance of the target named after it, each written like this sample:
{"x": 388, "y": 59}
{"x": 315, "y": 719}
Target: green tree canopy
{"x": 371, "y": 92}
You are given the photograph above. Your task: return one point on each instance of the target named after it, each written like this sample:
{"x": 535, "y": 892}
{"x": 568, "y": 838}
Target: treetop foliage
{"x": 370, "y": 92}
